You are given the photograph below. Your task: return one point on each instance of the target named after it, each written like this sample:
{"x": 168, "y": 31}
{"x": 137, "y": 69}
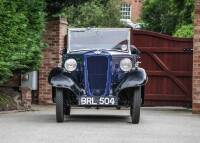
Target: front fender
{"x": 58, "y": 78}
{"x": 135, "y": 78}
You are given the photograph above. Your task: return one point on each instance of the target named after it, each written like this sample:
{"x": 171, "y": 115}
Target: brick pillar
{"x": 54, "y": 37}
{"x": 196, "y": 61}
{"x": 26, "y": 98}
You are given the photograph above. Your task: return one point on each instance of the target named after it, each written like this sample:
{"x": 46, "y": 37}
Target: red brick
{"x": 196, "y": 61}
{"x": 26, "y": 97}
{"x": 196, "y": 108}
{"x": 53, "y": 37}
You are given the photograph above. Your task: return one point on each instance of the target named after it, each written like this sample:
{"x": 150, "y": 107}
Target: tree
{"x": 98, "y": 13}
{"x": 185, "y": 11}
{"x": 22, "y": 24}
{"x": 56, "y": 6}
{"x": 167, "y": 16}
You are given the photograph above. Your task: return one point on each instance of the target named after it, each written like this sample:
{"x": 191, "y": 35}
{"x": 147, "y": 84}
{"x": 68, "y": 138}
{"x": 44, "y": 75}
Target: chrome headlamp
{"x": 126, "y": 64}
{"x": 70, "y": 65}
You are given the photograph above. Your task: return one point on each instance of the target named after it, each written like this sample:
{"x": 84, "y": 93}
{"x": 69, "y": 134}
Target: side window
{"x": 125, "y": 11}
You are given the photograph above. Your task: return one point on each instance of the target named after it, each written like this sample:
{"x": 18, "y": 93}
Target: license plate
{"x": 97, "y": 100}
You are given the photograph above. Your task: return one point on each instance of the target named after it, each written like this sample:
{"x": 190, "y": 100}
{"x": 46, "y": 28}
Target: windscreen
{"x": 92, "y": 39}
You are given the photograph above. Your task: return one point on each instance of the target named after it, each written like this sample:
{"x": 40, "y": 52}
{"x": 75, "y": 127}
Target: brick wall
{"x": 196, "y": 61}
{"x": 54, "y": 37}
{"x": 136, "y": 9}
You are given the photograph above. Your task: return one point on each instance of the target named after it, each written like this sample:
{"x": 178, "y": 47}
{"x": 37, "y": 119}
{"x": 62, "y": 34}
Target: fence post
{"x": 196, "y": 61}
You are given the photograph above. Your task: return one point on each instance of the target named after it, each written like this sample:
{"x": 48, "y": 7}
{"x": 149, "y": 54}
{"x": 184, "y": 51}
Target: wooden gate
{"x": 168, "y": 62}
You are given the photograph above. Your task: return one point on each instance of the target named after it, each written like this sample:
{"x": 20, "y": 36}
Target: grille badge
{"x": 98, "y": 52}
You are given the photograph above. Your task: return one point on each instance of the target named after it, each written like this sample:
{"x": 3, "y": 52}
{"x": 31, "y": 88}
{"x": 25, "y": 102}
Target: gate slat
{"x": 168, "y": 62}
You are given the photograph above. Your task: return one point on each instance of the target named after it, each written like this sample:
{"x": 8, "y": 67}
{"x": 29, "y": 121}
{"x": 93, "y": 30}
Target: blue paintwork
{"x": 109, "y": 72}
{"x": 116, "y": 73}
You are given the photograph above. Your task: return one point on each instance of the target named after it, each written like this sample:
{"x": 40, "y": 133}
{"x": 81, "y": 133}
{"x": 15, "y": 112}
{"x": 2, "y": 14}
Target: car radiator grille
{"x": 97, "y": 75}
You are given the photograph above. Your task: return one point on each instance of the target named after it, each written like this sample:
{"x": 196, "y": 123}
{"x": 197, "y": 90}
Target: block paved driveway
{"x": 158, "y": 125}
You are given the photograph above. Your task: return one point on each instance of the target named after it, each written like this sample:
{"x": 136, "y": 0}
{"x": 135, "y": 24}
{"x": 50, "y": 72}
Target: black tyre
{"x": 135, "y": 106}
{"x": 118, "y": 107}
{"x": 67, "y": 103}
{"x": 67, "y": 110}
{"x": 59, "y": 105}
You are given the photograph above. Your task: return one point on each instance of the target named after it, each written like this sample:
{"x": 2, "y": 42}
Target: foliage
{"x": 167, "y": 16}
{"x": 22, "y": 24}
{"x": 112, "y": 14}
{"x": 185, "y": 31}
{"x": 56, "y": 6}
{"x": 98, "y": 13}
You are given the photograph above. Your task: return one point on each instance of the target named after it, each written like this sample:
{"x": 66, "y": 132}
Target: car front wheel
{"x": 59, "y": 105}
{"x": 135, "y": 106}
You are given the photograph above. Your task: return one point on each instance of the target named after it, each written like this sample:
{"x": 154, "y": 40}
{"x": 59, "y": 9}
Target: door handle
{"x": 188, "y": 49}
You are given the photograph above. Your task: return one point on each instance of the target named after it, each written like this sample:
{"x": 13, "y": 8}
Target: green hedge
{"x": 21, "y": 28}
{"x": 185, "y": 31}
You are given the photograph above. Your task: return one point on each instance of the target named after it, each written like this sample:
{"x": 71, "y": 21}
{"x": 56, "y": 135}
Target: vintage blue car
{"x": 99, "y": 69}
